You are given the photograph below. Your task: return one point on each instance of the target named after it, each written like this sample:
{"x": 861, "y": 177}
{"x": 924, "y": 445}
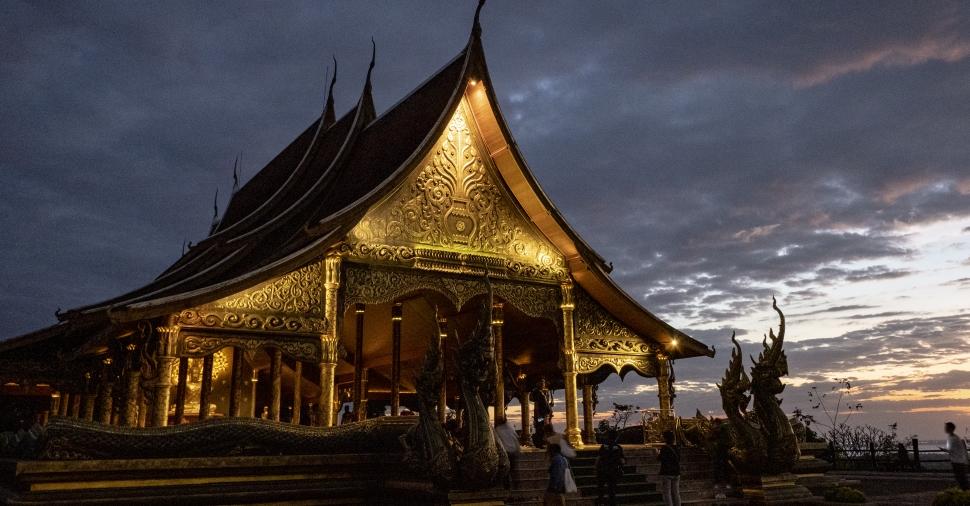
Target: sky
{"x": 718, "y": 153}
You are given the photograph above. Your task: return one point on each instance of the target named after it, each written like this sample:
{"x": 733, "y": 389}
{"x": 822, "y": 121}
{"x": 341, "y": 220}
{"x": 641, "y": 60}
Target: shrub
{"x": 844, "y": 494}
{"x": 952, "y": 497}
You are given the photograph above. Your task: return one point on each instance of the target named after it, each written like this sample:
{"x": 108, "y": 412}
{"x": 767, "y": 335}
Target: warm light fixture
{"x": 673, "y": 343}
{"x": 473, "y": 82}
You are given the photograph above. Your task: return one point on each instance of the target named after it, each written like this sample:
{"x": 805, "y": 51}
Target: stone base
{"x": 776, "y": 489}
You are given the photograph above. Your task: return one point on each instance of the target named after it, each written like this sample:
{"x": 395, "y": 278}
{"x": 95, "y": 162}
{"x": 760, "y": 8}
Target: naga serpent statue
{"x": 763, "y": 440}
{"x": 479, "y": 461}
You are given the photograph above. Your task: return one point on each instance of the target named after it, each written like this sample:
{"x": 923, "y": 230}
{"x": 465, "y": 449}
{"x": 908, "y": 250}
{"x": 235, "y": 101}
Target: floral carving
{"x": 590, "y": 363}
{"x": 377, "y": 285}
{"x": 202, "y": 317}
{"x": 304, "y": 350}
{"x": 298, "y": 292}
{"x": 455, "y": 205}
{"x": 592, "y": 321}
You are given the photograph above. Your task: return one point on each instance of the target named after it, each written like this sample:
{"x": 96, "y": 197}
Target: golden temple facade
{"x": 332, "y": 270}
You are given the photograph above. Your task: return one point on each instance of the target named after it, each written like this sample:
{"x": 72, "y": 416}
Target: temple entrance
{"x": 386, "y": 342}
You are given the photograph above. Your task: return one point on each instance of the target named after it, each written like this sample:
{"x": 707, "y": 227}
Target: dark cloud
{"x": 718, "y": 154}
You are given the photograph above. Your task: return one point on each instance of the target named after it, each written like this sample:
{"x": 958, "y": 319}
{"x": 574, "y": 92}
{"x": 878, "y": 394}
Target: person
{"x": 543, "y": 409}
{"x": 957, "y": 449}
{"x": 670, "y": 470}
{"x": 609, "y": 467}
{"x": 551, "y": 437}
{"x": 265, "y": 415}
{"x": 510, "y": 442}
{"x": 346, "y": 416}
{"x": 556, "y": 491}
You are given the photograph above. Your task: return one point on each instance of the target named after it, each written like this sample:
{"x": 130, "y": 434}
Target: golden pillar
{"x": 573, "y": 433}
{"x": 205, "y": 389}
{"x": 236, "y": 383}
{"x": 75, "y": 405}
{"x": 329, "y": 342}
{"x": 90, "y": 397}
{"x": 297, "y": 395}
{"x": 180, "y": 390}
{"x": 168, "y": 339}
{"x": 62, "y": 403}
{"x": 525, "y": 438}
{"x": 588, "y": 412}
{"x": 129, "y": 417}
{"x": 276, "y": 384}
{"x": 396, "y": 316}
{"x": 359, "y": 363}
{"x": 443, "y": 391}
{"x": 665, "y": 386}
{"x": 106, "y": 395}
{"x": 498, "y": 321}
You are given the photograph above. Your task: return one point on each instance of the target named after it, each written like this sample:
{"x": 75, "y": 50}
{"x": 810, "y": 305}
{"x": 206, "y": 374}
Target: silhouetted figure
{"x": 957, "y": 449}
{"x": 556, "y": 490}
{"x": 670, "y": 470}
{"x": 542, "y": 398}
{"x": 346, "y": 416}
{"x": 609, "y": 468}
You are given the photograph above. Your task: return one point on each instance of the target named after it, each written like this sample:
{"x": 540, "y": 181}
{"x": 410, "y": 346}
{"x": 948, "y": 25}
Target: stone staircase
{"x": 639, "y": 484}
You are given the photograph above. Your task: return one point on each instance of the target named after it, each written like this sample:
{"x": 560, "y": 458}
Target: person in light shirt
{"x": 957, "y": 449}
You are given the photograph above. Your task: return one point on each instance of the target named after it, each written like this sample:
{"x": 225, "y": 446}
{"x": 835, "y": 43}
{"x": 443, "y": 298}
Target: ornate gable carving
{"x": 453, "y": 214}
{"x": 602, "y": 340}
{"x": 292, "y": 302}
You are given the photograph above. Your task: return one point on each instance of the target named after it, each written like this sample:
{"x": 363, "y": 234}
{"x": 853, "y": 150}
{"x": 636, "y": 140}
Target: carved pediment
{"x": 454, "y": 214}
{"x": 598, "y": 332}
{"x": 292, "y": 302}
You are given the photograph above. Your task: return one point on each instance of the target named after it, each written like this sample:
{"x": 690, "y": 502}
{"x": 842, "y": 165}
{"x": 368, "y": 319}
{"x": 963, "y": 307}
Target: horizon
{"x": 816, "y": 153}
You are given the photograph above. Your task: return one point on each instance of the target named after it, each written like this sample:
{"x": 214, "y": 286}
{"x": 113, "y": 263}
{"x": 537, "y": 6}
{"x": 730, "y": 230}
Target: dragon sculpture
{"x": 763, "y": 440}
{"x": 479, "y": 461}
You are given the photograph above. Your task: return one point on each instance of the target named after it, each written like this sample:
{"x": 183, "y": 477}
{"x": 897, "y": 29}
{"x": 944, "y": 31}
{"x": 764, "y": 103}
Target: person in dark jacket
{"x": 556, "y": 491}
{"x": 670, "y": 470}
{"x": 609, "y": 467}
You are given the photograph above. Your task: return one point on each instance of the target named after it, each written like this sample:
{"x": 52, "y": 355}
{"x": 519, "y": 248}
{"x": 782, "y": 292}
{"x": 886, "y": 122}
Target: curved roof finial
{"x": 373, "y": 58}
{"x": 215, "y": 212}
{"x": 477, "y": 27}
{"x": 329, "y": 114}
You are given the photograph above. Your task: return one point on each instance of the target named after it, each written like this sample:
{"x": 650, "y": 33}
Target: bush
{"x": 952, "y": 497}
{"x": 844, "y": 494}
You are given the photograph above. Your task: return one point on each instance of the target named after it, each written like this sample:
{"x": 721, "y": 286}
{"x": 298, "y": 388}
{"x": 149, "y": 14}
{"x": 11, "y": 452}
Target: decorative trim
{"x": 305, "y": 350}
{"x": 587, "y": 363}
{"x": 378, "y": 285}
{"x": 203, "y": 317}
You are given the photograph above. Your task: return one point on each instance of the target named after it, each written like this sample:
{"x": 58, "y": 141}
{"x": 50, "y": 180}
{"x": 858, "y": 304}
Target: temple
{"x": 322, "y": 283}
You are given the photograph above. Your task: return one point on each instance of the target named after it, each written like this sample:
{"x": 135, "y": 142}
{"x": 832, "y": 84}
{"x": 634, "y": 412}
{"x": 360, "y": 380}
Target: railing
{"x": 928, "y": 458}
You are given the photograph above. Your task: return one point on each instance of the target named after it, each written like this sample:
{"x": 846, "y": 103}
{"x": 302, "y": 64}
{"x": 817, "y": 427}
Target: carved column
{"x": 276, "y": 383}
{"x": 254, "y": 382}
{"x": 129, "y": 417}
{"x": 396, "y": 316}
{"x": 90, "y": 398}
{"x": 569, "y": 362}
{"x": 588, "y": 412}
{"x": 106, "y": 396}
{"x": 62, "y": 403}
{"x": 168, "y": 339}
{"x": 359, "y": 363}
{"x": 525, "y": 438}
{"x": 665, "y": 392}
{"x": 443, "y": 394}
{"x": 235, "y": 383}
{"x": 75, "y": 405}
{"x": 180, "y": 390}
{"x": 364, "y": 375}
{"x": 205, "y": 388}
{"x": 297, "y": 395}
{"x": 143, "y": 409}
{"x": 498, "y": 322}
{"x": 329, "y": 342}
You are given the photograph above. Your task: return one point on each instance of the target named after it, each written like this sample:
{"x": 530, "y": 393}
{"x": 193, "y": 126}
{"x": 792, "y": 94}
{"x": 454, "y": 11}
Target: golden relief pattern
{"x": 376, "y": 285}
{"x": 198, "y": 346}
{"x": 453, "y": 213}
{"x": 601, "y": 340}
{"x": 292, "y": 302}
{"x": 590, "y": 363}
{"x": 299, "y": 292}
